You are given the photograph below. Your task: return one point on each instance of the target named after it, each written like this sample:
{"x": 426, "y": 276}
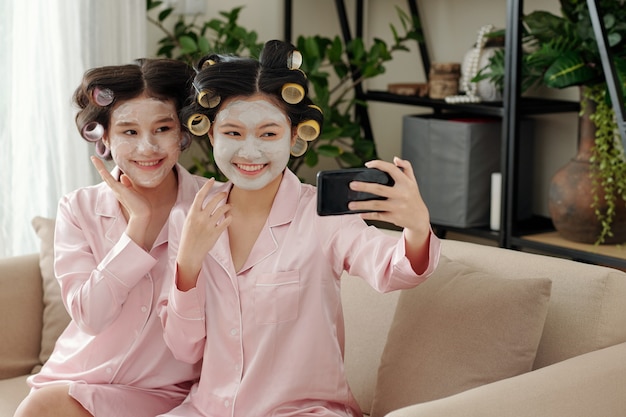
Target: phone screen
{"x": 334, "y": 193}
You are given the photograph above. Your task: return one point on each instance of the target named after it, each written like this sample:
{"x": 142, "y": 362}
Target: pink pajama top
{"x": 112, "y": 352}
{"x": 272, "y": 334}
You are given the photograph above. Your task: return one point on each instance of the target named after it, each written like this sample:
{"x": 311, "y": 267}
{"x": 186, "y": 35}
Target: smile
{"x": 148, "y": 163}
{"x": 250, "y": 167}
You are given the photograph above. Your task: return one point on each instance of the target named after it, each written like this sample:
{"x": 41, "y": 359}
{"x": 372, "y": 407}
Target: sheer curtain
{"x": 46, "y": 45}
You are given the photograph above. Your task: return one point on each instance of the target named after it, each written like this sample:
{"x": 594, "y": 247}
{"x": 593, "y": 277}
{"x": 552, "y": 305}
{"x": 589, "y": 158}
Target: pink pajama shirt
{"x": 112, "y": 353}
{"x": 272, "y": 334}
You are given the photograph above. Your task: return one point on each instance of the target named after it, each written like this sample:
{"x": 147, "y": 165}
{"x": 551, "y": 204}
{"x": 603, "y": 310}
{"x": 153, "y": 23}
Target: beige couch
{"x": 493, "y": 333}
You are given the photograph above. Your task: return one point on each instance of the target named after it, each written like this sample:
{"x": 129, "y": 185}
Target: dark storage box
{"x": 453, "y": 157}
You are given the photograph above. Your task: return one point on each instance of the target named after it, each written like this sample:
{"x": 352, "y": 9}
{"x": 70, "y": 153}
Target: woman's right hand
{"x": 137, "y": 209}
{"x": 203, "y": 226}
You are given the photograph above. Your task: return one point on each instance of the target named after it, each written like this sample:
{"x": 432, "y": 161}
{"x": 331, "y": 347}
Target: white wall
{"x": 450, "y": 27}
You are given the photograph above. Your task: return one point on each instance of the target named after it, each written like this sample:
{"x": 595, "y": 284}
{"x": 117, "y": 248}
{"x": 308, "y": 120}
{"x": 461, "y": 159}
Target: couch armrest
{"x": 587, "y": 385}
{"x": 21, "y": 311}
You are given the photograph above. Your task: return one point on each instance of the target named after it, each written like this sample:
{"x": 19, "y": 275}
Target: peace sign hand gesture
{"x": 204, "y": 224}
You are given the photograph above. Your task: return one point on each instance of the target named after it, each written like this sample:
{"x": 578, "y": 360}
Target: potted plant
{"x": 332, "y": 67}
{"x": 559, "y": 52}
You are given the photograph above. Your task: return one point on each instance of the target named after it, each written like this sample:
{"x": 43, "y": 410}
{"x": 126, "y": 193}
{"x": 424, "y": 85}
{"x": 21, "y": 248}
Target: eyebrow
{"x": 270, "y": 124}
{"x": 165, "y": 119}
{"x": 133, "y": 123}
{"x": 237, "y": 125}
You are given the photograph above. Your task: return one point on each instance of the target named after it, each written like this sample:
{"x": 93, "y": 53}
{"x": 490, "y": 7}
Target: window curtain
{"x": 46, "y": 46}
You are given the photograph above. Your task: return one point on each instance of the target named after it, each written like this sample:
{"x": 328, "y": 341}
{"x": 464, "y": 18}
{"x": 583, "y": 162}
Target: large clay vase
{"x": 571, "y": 193}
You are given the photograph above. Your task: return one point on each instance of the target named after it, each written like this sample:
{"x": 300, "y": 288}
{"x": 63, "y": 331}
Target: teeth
{"x": 147, "y": 164}
{"x": 250, "y": 168}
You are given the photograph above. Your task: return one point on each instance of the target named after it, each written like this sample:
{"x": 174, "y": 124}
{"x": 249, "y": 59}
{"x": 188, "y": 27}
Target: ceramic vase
{"x": 571, "y": 194}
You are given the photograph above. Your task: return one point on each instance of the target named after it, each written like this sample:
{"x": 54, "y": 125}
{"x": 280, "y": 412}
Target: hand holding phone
{"x": 334, "y": 193}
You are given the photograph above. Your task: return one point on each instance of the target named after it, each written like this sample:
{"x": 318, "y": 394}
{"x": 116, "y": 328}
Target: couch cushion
{"x": 20, "y": 321}
{"x": 460, "y": 329}
{"x": 367, "y": 316}
{"x": 589, "y": 385}
{"x": 55, "y": 317}
{"x": 587, "y": 311}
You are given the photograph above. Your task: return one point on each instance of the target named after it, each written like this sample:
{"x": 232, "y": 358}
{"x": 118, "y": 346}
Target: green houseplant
{"x": 332, "y": 67}
{"x": 559, "y": 52}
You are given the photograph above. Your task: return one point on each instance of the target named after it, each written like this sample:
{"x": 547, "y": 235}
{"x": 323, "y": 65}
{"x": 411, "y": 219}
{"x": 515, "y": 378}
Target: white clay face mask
{"x": 251, "y": 142}
{"x": 144, "y": 137}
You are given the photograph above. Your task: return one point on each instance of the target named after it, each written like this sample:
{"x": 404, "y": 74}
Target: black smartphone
{"x": 334, "y": 193}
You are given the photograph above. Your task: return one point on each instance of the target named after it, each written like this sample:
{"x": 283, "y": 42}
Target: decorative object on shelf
{"x": 560, "y": 52}
{"x": 443, "y": 79}
{"x": 408, "y": 89}
{"x": 572, "y": 200}
{"x": 496, "y": 201}
{"x": 342, "y": 137}
{"x": 453, "y": 156}
{"x": 475, "y": 59}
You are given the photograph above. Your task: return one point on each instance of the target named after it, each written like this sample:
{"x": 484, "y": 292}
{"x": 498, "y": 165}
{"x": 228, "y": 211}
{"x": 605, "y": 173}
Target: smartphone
{"x": 334, "y": 193}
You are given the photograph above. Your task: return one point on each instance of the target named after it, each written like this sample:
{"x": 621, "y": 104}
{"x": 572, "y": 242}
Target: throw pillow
{"x": 460, "y": 329}
{"x": 55, "y": 316}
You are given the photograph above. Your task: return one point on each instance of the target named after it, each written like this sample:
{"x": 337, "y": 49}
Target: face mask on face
{"x": 144, "y": 137}
{"x": 251, "y": 142}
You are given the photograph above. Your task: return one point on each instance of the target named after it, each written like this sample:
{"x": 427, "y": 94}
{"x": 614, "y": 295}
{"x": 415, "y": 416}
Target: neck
{"x": 164, "y": 194}
{"x": 255, "y": 201}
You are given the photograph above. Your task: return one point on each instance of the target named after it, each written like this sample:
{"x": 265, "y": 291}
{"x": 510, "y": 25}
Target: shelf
{"x": 552, "y": 243}
{"x": 528, "y": 105}
{"x": 536, "y": 233}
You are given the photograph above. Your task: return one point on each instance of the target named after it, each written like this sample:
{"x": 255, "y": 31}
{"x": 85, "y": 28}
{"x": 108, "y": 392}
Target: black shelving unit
{"x": 514, "y": 233}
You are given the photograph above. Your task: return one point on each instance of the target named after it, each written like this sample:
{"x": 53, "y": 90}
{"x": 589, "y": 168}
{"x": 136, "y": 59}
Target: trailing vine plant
{"x": 608, "y": 167}
{"x": 332, "y": 67}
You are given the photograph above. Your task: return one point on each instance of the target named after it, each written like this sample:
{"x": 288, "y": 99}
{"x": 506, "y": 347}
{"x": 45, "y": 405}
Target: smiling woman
{"x": 144, "y": 139}
{"x": 42, "y": 155}
{"x": 261, "y": 150}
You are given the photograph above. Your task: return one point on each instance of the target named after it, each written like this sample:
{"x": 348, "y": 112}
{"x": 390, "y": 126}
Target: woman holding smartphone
{"x": 256, "y": 290}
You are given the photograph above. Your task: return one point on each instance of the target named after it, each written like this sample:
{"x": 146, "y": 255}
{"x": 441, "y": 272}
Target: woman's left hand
{"x": 403, "y": 206}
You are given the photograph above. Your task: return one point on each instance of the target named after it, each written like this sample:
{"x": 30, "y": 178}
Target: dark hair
{"x": 226, "y": 76}
{"x": 165, "y": 79}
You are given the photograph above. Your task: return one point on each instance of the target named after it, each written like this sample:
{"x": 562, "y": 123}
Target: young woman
{"x": 111, "y": 250}
{"x": 257, "y": 289}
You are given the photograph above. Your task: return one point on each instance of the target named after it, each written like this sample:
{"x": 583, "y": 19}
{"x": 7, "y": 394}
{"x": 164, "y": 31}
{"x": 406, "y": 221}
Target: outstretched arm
{"x": 403, "y": 207}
